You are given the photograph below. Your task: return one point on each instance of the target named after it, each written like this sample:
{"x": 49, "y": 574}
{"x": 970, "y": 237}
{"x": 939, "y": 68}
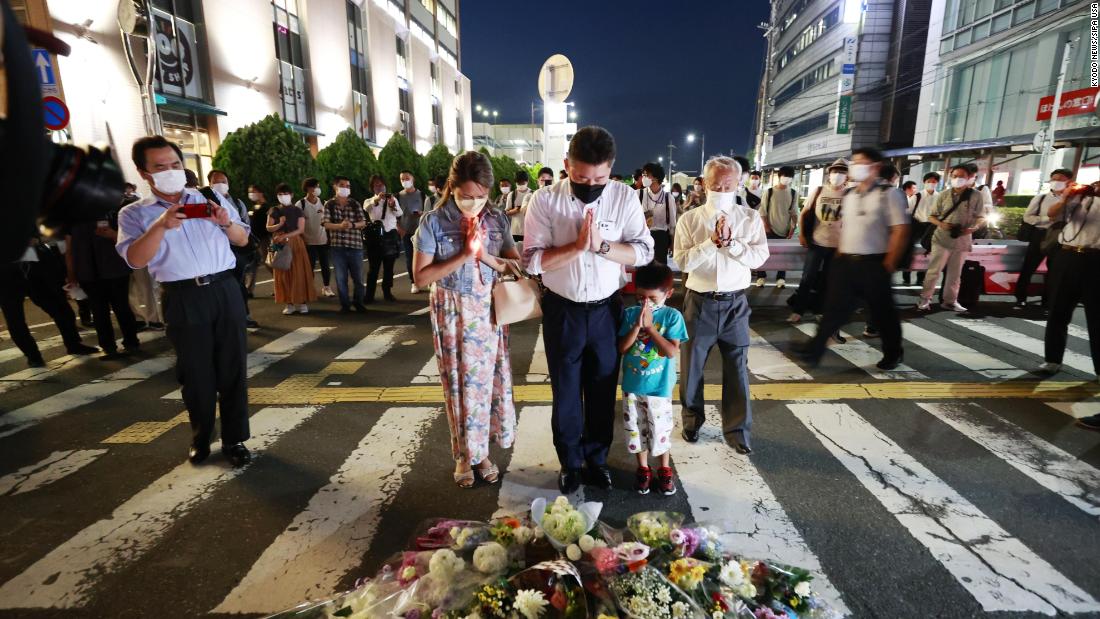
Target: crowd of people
{"x": 186, "y": 259}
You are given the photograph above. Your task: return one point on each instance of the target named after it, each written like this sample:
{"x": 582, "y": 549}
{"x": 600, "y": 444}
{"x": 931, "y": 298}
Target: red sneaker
{"x": 642, "y": 478}
{"x": 666, "y": 481}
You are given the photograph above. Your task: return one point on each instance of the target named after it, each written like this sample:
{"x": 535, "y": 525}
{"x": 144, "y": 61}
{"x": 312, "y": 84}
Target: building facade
{"x": 378, "y": 66}
{"x": 520, "y": 142}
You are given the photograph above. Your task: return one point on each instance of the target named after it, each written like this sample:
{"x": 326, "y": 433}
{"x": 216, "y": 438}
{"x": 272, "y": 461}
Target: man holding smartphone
{"x": 184, "y": 239}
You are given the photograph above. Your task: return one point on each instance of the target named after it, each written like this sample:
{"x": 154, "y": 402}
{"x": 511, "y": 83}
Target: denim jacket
{"x": 442, "y": 234}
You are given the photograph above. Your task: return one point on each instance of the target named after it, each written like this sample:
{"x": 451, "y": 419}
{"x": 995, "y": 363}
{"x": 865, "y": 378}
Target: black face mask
{"x": 587, "y": 193}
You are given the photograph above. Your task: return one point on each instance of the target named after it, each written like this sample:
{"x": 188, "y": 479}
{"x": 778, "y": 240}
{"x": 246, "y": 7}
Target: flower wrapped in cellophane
{"x": 563, "y": 523}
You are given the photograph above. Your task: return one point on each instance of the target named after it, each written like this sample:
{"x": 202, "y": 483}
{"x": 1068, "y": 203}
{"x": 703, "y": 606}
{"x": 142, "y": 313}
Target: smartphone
{"x": 196, "y": 211}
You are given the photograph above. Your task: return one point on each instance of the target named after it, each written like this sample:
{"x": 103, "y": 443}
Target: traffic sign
{"x": 55, "y": 112}
{"x": 43, "y": 67}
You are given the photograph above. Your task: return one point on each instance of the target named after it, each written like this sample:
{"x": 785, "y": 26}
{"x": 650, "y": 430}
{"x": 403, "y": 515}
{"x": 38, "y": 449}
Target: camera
{"x": 956, "y": 231}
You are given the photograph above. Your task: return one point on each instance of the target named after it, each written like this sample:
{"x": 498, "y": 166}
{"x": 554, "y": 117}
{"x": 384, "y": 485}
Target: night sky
{"x": 648, "y": 71}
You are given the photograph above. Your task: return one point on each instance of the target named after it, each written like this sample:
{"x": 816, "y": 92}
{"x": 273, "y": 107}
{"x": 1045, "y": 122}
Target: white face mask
{"x": 470, "y": 207}
{"x": 221, "y": 188}
{"x": 960, "y": 183}
{"x": 316, "y": 191}
{"x": 169, "y": 182}
{"x": 836, "y": 179}
{"x": 1057, "y": 185}
{"x": 521, "y": 187}
{"x": 721, "y": 201}
{"x": 343, "y": 192}
{"x": 431, "y": 188}
{"x": 646, "y": 181}
{"x": 676, "y": 194}
{"x": 407, "y": 184}
{"x": 785, "y": 180}
{"x": 255, "y": 197}
{"x": 285, "y": 199}
{"x": 505, "y": 190}
{"x": 754, "y": 182}
{"x": 859, "y": 172}
{"x": 930, "y": 187}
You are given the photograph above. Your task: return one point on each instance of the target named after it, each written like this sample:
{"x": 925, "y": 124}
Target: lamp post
{"x": 702, "y": 148}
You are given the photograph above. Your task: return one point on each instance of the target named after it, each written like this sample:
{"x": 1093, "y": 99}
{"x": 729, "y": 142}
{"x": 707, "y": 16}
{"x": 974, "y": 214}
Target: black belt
{"x": 859, "y": 257}
{"x": 584, "y": 304}
{"x": 1079, "y": 249}
{"x": 196, "y": 282}
{"x": 721, "y": 296}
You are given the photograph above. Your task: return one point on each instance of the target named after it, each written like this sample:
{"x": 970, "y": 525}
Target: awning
{"x": 1065, "y": 135}
{"x": 173, "y": 102}
{"x": 304, "y": 130}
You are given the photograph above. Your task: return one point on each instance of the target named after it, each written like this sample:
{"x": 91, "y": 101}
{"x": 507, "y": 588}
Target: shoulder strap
{"x": 794, "y": 196}
{"x": 768, "y": 200}
{"x": 668, "y": 216}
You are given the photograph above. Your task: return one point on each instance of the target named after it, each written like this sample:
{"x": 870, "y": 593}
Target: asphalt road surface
{"x": 955, "y": 486}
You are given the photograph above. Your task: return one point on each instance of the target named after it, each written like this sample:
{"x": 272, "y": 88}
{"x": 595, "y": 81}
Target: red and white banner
{"x": 1073, "y": 102}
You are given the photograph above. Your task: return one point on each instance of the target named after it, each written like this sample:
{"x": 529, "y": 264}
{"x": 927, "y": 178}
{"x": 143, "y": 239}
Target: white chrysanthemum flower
{"x": 530, "y": 603}
{"x": 747, "y": 591}
{"x": 573, "y": 552}
{"x": 522, "y": 535}
{"x": 731, "y": 574}
{"x": 587, "y": 543}
{"x": 664, "y": 596}
{"x": 802, "y": 589}
{"x": 445, "y": 563}
{"x": 490, "y": 558}
{"x": 680, "y": 610}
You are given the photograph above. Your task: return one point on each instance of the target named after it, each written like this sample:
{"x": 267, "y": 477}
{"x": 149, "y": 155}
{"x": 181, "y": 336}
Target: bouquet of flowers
{"x": 654, "y": 529}
{"x": 564, "y": 524}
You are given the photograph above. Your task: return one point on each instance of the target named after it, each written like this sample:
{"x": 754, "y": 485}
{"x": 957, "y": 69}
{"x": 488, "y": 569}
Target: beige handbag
{"x": 516, "y": 296}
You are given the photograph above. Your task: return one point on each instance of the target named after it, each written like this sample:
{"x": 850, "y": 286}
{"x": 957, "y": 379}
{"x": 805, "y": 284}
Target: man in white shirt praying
{"x": 718, "y": 245}
{"x": 579, "y": 233}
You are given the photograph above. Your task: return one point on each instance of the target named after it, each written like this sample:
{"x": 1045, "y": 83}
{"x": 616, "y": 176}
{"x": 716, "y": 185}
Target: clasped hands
{"x": 589, "y": 237}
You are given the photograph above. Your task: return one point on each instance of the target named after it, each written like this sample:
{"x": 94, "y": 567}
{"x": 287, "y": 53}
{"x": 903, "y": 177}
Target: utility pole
{"x": 670, "y": 147}
{"x": 702, "y": 152}
{"x": 1047, "y": 157}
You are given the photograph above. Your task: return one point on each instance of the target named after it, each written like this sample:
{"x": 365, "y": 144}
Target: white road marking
{"x": 7, "y": 334}
{"x": 997, "y": 333}
{"x": 66, "y": 577}
{"x": 969, "y": 358}
{"x": 864, "y": 356}
{"x": 1050, "y": 467}
{"x": 421, "y": 311}
{"x": 429, "y": 374}
{"x": 273, "y": 352}
{"x": 767, "y": 363}
{"x": 331, "y": 536}
{"x": 377, "y": 343}
{"x": 44, "y": 344}
{"x": 538, "y": 372}
{"x": 58, "y": 465}
{"x": 754, "y": 522}
{"x": 533, "y": 471}
{"x": 56, "y": 366}
{"x": 1076, "y": 331}
{"x": 996, "y": 568}
{"x": 1077, "y": 410}
{"x": 36, "y": 412}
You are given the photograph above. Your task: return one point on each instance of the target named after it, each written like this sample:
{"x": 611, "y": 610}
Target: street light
{"x": 478, "y": 107}
{"x": 573, "y": 115}
{"x": 495, "y": 113}
{"x": 691, "y": 138}
{"x": 702, "y": 148}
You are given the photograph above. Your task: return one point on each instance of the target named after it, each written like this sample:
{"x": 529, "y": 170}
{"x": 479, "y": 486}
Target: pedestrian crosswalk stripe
{"x": 37, "y": 412}
{"x": 67, "y": 575}
{"x": 1077, "y": 410}
{"x": 996, "y": 568}
{"x": 719, "y": 484}
{"x": 533, "y": 470}
{"x": 330, "y": 537}
{"x": 58, "y": 465}
{"x": 377, "y": 343}
{"x": 273, "y": 352}
{"x": 1049, "y": 466}
{"x": 59, "y": 365}
{"x": 1073, "y": 330}
{"x": 428, "y": 374}
{"x": 1022, "y": 342}
{"x": 767, "y": 363}
{"x": 43, "y": 345}
{"x": 864, "y": 356}
{"x": 969, "y": 358}
{"x": 539, "y": 372}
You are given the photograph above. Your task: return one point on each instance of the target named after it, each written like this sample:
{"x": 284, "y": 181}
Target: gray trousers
{"x": 725, "y": 323}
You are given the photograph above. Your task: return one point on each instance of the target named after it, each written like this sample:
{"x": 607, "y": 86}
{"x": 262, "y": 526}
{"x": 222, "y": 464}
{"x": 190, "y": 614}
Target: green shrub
{"x": 349, "y": 155}
{"x": 399, "y": 155}
{"x": 264, "y": 154}
{"x": 436, "y": 163}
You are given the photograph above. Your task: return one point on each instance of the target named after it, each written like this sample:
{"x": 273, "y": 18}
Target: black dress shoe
{"x": 599, "y": 476}
{"x": 890, "y": 364}
{"x": 691, "y": 436}
{"x": 82, "y": 349}
{"x": 389, "y": 297}
{"x": 238, "y": 454}
{"x": 345, "y": 309}
{"x": 742, "y": 448}
{"x": 36, "y": 362}
{"x": 569, "y": 480}
{"x": 251, "y": 323}
{"x": 111, "y": 355}
{"x": 359, "y": 307}
{"x": 198, "y": 453}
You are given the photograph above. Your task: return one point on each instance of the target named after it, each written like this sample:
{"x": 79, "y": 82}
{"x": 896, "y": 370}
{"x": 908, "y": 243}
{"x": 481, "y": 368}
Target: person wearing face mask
{"x": 257, "y": 217}
{"x": 1037, "y": 216}
{"x": 873, "y": 237}
{"x": 184, "y": 239}
{"x": 344, "y": 222}
{"x": 718, "y": 245}
{"x": 919, "y": 203}
{"x": 546, "y": 177}
{"x": 413, "y": 204}
{"x": 218, "y": 190}
{"x": 742, "y": 185}
{"x": 678, "y": 198}
{"x": 579, "y": 234}
{"x": 383, "y": 238}
{"x": 819, "y": 233}
{"x": 697, "y": 196}
{"x": 287, "y": 223}
{"x": 639, "y": 179}
{"x": 779, "y": 209}
{"x": 316, "y": 237}
{"x": 515, "y": 206}
{"x": 754, "y": 190}
{"x": 462, "y": 247}
{"x": 659, "y": 210}
{"x": 956, "y": 214}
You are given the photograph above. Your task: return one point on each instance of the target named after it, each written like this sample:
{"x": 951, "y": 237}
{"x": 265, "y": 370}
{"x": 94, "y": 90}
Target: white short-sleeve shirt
{"x": 868, "y": 218}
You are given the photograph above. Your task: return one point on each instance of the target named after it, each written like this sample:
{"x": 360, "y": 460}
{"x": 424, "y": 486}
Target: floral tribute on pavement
{"x": 562, "y": 562}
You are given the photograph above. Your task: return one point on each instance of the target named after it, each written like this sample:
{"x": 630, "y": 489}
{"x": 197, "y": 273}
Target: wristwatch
{"x": 604, "y": 248}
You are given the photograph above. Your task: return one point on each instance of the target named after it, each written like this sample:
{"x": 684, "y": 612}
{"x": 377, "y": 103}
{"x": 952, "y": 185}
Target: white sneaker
{"x": 953, "y": 307}
{"x": 327, "y": 291}
{"x": 924, "y": 305}
{"x": 794, "y": 318}
{"x": 1049, "y": 368}
{"x": 414, "y": 289}
{"x": 289, "y": 310}
{"x": 760, "y": 282}
{"x": 303, "y": 309}
{"x": 780, "y": 283}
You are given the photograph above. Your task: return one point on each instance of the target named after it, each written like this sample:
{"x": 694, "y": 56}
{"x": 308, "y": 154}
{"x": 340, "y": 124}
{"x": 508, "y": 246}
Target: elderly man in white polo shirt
{"x": 718, "y": 245}
{"x": 579, "y": 233}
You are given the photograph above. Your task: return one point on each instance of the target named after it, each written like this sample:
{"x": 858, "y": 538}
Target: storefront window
{"x": 189, "y": 132}
{"x": 293, "y": 72}
{"x": 178, "y": 34}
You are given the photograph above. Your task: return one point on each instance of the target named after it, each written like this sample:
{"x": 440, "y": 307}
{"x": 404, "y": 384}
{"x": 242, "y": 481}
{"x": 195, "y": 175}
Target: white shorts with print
{"x": 648, "y": 422}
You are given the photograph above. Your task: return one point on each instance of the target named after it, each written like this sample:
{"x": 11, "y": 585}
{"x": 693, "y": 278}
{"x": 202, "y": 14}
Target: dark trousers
{"x": 811, "y": 288}
{"x": 724, "y": 323}
{"x": 245, "y": 262}
{"x": 916, "y": 233}
{"x": 348, "y": 262}
{"x": 380, "y": 262}
{"x": 854, "y": 280}
{"x": 407, "y": 247}
{"x": 19, "y": 280}
{"x": 1073, "y": 281}
{"x": 319, "y": 253}
{"x": 206, "y": 325}
{"x": 582, "y": 356}
{"x": 662, "y": 240}
{"x": 1032, "y": 259}
{"x": 253, "y": 266}
{"x": 778, "y": 274}
{"x": 106, "y": 295}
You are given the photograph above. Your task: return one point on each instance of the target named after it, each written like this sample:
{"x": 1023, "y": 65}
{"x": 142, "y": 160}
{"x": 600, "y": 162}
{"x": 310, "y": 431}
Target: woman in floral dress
{"x": 461, "y": 248}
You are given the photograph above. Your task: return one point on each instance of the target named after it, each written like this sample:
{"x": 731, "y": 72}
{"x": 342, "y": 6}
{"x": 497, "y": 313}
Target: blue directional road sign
{"x": 43, "y": 67}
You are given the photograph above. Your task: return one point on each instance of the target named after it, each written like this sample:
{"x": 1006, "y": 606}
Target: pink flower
{"x": 606, "y": 559}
